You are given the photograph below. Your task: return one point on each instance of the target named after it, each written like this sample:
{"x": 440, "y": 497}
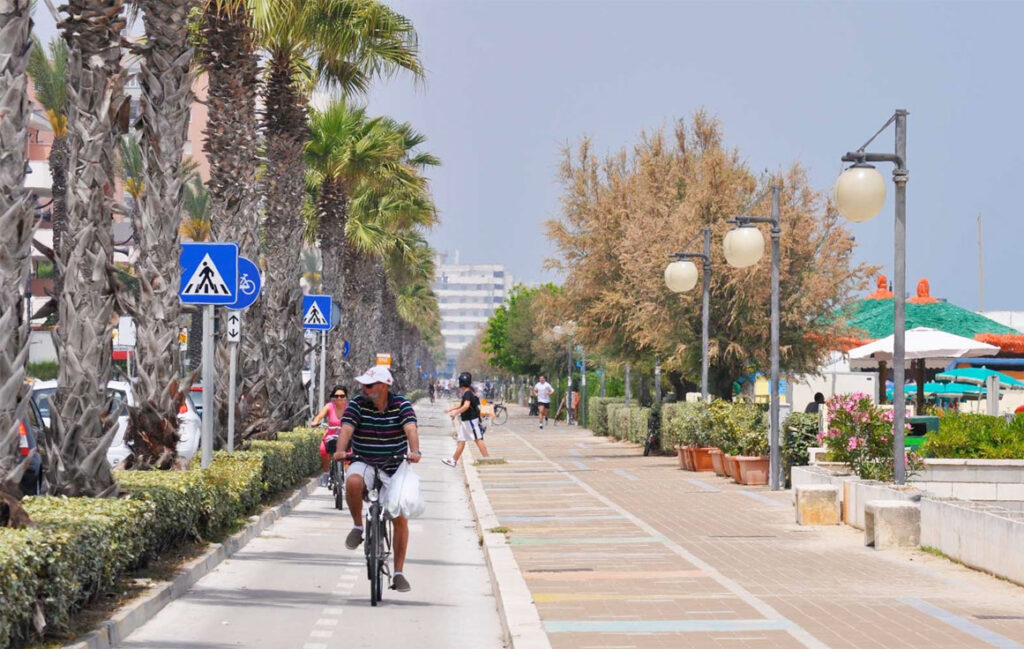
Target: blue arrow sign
{"x": 316, "y": 312}
{"x": 209, "y": 273}
{"x": 250, "y": 282}
{"x": 345, "y": 349}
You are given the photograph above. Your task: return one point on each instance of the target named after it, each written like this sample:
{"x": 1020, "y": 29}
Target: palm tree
{"x": 227, "y": 52}
{"x": 15, "y": 241}
{"x": 82, "y": 428}
{"x": 342, "y": 44}
{"x": 49, "y": 76}
{"x": 157, "y": 187}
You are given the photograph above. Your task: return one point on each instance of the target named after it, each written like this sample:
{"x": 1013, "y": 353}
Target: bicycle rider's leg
{"x": 354, "y": 486}
{"x": 401, "y": 541}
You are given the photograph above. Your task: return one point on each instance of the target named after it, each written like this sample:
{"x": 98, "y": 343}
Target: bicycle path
{"x": 621, "y": 551}
{"x": 297, "y": 587}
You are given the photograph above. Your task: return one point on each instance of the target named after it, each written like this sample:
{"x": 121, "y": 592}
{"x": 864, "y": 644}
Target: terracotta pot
{"x": 753, "y": 469}
{"x": 732, "y": 468}
{"x": 702, "y": 458}
{"x": 681, "y": 450}
{"x": 689, "y": 458}
{"x": 717, "y": 461}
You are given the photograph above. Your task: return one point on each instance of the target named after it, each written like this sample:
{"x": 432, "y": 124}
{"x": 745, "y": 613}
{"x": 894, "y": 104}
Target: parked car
{"x": 188, "y": 419}
{"x": 34, "y": 430}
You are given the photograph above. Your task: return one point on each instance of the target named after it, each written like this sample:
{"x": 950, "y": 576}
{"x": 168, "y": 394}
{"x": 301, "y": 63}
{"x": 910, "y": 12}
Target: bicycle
{"x": 653, "y": 435}
{"x": 500, "y": 414}
{"x": 336, "y": 474}
{"x": 378, "y": 529}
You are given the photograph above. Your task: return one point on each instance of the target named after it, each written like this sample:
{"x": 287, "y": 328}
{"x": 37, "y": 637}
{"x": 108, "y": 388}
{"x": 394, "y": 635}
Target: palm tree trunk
{"x": 332, "y": 214}
{"x": 361, "y": 316}
{"x": 166, "y": 102}
{"x": 58, "y": 214}
{"x": 15, "y": 237}
{"x": 229, "y": 55}
{"x": 82, "y": 428}
{"x": 286, "y": 133}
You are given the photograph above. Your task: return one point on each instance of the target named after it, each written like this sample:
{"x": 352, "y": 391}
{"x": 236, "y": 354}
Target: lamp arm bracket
{"x": 862, "y": 156}
{"x": 680, "y": 256}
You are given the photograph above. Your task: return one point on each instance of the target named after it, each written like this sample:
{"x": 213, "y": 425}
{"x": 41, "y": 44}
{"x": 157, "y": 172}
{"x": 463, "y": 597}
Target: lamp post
{"x": 681, "y": 276}
{"x": 860, "y": 196}
{"x": 743, "y": 246}
{"x": 567, "y": 331}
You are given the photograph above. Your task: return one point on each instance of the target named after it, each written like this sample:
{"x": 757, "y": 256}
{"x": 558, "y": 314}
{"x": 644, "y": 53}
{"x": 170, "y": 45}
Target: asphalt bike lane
{"x": 297, "y": 587}
{"x": 625, "y": 551}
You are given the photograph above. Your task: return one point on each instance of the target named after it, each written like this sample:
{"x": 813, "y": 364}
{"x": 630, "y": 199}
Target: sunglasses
{"x": 339, "y": 396}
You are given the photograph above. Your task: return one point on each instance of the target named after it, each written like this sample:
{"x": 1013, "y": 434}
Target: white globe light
{"x": 860, "y": 193}
{"x": 743, "y": 246}
{"x": 681, "y": 276}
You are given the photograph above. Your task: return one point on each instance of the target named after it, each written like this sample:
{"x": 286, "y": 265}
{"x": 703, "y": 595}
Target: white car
{"x": 189, "y": 425}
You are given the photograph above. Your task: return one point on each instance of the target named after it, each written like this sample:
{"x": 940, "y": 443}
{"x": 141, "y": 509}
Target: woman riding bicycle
{"x": 332, "y": 411}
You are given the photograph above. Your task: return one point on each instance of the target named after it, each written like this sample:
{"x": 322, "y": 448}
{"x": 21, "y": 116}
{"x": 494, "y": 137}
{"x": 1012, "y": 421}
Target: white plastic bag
{"x": 404, "y": 497}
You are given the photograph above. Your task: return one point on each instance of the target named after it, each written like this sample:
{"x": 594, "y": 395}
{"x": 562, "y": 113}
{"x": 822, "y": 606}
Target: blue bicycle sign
{"x": 249, "y": 284}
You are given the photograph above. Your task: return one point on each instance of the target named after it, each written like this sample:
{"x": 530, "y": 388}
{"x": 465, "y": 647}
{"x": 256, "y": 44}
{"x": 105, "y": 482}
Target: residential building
{"x": 468, "y": 295}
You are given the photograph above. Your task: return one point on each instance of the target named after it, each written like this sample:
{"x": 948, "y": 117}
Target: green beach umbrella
{"x": 978, "y": 376}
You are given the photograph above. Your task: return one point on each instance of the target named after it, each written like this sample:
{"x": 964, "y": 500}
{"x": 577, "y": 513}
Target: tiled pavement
{"x": 622, "y": 551}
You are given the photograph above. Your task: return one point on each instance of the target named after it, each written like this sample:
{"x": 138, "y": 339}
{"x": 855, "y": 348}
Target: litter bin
{"x": 919, "y": 428}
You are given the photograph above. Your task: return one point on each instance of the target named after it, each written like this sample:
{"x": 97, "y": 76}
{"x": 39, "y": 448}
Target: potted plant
{"x": 753, "y": 460}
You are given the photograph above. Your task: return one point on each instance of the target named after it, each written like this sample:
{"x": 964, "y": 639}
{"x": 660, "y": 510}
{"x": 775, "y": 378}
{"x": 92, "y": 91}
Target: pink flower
{"x": 852, "y": 444}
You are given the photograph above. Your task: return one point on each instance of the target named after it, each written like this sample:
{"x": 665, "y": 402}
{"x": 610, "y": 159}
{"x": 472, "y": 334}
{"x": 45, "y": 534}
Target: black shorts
{"x": 331, "y": 445}
{"x": 544, "y": 404}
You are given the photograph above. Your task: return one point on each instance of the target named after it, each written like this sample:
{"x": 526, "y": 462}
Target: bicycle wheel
{"x": 647, "y": 445}
{"x": 500, "y": 415}
{"x": 373, "y": 553}
{"x": 338, "y": 477}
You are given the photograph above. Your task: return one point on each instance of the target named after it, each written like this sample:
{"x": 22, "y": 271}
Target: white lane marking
{"x": 314, "y": 645}
{"x": 321, "y": 633}
{"x": 625, "y": 474}
{"x": 799, "y": 633}
{"x": 332, "y": 610}
{"x": 326, "y": 621}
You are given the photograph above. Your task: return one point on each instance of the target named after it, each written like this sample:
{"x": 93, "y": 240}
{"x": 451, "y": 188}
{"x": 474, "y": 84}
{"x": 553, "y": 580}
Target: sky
{"x": 509, "y": 84}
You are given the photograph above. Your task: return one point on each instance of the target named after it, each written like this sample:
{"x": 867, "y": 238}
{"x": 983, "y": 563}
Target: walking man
{"x": 543, "y": 391}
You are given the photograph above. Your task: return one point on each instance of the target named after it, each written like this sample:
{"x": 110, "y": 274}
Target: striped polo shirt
{"x": 379, "y": 434}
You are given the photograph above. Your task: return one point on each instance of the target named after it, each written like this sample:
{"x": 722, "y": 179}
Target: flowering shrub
{"x": 860, "y": 434}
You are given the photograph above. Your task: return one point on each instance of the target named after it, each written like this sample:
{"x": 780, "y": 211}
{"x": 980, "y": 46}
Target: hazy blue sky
{"x": 509, "y": 83}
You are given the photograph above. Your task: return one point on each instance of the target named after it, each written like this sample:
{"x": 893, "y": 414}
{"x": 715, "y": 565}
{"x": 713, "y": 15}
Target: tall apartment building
{"x": 468, "y": 295}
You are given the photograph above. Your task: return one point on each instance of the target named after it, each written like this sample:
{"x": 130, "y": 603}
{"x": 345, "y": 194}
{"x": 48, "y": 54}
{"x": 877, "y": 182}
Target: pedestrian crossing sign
{"x": 316, "y": 312}
{"x": 209, "y": 273}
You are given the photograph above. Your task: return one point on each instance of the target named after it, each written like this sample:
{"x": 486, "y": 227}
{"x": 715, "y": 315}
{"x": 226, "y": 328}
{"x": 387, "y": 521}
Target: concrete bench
{"x": 890, "y": 524}
{"x": 817, "y": 504}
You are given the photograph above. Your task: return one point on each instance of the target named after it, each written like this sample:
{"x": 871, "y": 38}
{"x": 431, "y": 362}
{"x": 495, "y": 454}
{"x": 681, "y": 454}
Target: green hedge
{"x": 966, "y": 435}
{"x": 416, "y": 395}
{"x": 638, "y": 420}
{"x": 81, "y": 546}
{"x": 597, "y": 413}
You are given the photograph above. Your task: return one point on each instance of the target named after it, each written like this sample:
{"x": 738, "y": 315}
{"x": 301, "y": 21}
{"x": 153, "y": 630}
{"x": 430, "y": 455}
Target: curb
{"x": 133, "y": 615}
{"x": 520, "y": 619}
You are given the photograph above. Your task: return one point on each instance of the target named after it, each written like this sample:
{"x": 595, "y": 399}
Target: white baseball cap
{"x": 376, "y": 374}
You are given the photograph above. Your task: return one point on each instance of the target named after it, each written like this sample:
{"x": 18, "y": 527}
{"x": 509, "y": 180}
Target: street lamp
{"x": 860, "y": 195}
{"x": 681, "y": 276}
{"x": 743, "y": 247}
{"x": 568, "y": 331}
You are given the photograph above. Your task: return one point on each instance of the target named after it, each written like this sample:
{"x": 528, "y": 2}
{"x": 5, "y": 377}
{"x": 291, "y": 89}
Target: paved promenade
{"x": 621, "y": 551}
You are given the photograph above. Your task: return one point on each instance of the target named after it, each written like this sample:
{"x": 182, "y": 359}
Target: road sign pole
{"x": 206, "y": 441}
{"x": 232, "y": 396}
{"x": 323, "y": 366}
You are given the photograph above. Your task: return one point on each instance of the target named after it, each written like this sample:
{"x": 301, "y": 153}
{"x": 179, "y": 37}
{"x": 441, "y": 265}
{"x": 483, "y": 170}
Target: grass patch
{"x": 485, "y": 461}
{"x": 500, "y": 530}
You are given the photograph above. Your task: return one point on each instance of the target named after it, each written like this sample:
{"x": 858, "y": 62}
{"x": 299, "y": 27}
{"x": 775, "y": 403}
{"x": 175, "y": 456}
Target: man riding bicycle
{"x": 379, "y": 425}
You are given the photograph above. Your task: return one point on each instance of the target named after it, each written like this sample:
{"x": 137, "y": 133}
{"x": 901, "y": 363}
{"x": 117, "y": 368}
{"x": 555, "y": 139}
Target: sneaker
{"x": 401, "y": 584}
{"x": 354, "y": 538}
{"x": 448, "y": 461}
{"x": 542, "y": 425}
{"x": 325, "y": 480}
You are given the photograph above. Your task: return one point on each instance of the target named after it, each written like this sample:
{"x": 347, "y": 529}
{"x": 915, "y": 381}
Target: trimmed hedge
{"x": 597, "y": 413}
{"x": 81, "y": 546}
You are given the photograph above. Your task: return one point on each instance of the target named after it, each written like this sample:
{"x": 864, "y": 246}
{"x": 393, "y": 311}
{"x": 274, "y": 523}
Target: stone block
{"x": 817, "y": 504}
{"x": 890, "y": 524}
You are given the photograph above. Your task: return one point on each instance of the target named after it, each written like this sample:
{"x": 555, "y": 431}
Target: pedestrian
{"x": 814, "y": 406}
{"x": 543, "y": 391}
{"x": 430, "y": 391}
{"x": 470, "y": 428}
{"x": 332, "y": 411}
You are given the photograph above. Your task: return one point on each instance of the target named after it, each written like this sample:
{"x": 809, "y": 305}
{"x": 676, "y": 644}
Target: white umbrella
{"x": 925, "y": 343}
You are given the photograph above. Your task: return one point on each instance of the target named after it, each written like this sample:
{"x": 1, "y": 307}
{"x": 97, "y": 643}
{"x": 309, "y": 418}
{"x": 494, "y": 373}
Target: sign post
{"x": 209, "y": 276}
{"x": 249, "y": 284}
{"x": 316, "y": 316}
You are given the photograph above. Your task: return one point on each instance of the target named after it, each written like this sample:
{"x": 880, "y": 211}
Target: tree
{"x": 82, "y": 427}
{"x": 166, "y": 103}
{"x": 341, "y": 44}
{"x": 227, "y": 53}
{"x": 474, "y": 359}
{"x": 514, "y": 338}
{"x": 49, "y": 76}
{"x": 15, "y": 240}
{"x": 624, "y": 215}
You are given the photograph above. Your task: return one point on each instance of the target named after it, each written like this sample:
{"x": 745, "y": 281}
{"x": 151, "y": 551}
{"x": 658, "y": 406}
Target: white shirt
{"x": 544, "y": 392}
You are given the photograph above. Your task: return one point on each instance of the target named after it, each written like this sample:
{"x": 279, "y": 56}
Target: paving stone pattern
{"x": 624, "y": 551}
